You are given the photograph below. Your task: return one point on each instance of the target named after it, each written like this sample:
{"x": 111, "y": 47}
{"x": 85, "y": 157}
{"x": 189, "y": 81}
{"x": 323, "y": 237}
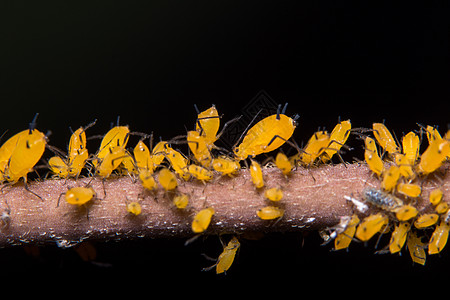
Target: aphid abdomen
{"x": 381, "y": 199}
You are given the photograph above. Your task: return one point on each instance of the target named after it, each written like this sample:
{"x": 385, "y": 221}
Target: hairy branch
{"x": 313, "y": 199}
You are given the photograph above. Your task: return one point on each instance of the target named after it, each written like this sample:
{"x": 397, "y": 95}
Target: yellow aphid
{"x": 411, "y": 145}
{"x": 159, "y": 152}
{"x": 398, "y": 237}
{"x": 226, "y": 166}
{"x": 343, "y": 240}
{"x": 226, "y": 258}
{"x": 283, "y": 163}
{"x": 167, "y": 179}
{"x": 416, "y": 248}
{"x": 58, "y": 166}
{"x": 433, "y": 134}
{"x": 372, "y": 158}
{"x": 436, "y": 196}
{"x": 385, "y": 138}
{"x": 439, "y": 238}
{"x": 406, "y": 212}
{"x": 143, "y": 157}
{"x": 115, "y": 137}
{"x": 267, "y": 135}
{"x": 199, "y": 148}
{"x": 77, "y": 155}
{"x": 110, "y": 161}
{"x": 128, "y": 164}
{"x": 314, "y": 148}
{"x": 441, "y": 208}
{"x": 134, "y": 208}
{"x": 181, "y": 201}
{"x": 426, "y": 220}
{"x": 178, "y": 162}
{"x": 390, "y": 178}
{"x": 273, "y": 194}
{"x": 200, "y": 173}
{"x": 7, "y": 149}
{"x": 28, "y": 149}
{"x": 405, "y": 168}
{"x": 78, "y": 195}
{"x": 202, "y": 219}
{"x": 370, "y": 226}
{"x": 433, "y": 157}
{"x": 409, "y": 189}
{"x": 207, "y": 125}
{"x": 337, "y": 139}
{"x": 256, "y": 174}
{"x": 270, "y": 213}
{"x": 147, "y": 179}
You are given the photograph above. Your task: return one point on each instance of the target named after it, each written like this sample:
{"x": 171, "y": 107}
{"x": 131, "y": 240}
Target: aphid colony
{"x": 399, "y": 206}
{"x": 162, "y": 166}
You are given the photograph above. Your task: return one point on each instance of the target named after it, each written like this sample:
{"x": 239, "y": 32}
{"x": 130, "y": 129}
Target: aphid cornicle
{"x": 267, "y": 135}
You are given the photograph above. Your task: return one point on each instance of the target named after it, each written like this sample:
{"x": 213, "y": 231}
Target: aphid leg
{"x": 59, "y": 198}
{"x": 211, "y": 259}
{"x": 30, "y": 191}
{"x": 226, "y": 125}
{"x": 104, "y": 189}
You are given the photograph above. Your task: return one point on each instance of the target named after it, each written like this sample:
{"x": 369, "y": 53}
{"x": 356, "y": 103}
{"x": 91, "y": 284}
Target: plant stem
{"x": 313, "y": 199}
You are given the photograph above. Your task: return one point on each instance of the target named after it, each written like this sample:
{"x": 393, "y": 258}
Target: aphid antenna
{"x": 246, "y": 129}
{"x": 1, "y": 137}
{"x": 196, "y": 109}
{"x": 55, "y": 150}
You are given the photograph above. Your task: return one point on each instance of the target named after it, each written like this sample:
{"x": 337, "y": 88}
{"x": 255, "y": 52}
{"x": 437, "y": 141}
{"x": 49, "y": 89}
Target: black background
{"x": 150, "y": 61}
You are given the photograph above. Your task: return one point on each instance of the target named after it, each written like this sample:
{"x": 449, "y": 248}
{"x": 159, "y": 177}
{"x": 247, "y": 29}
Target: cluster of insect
{"x": 399, "y": 205}
{"x": 161, "y": 166}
